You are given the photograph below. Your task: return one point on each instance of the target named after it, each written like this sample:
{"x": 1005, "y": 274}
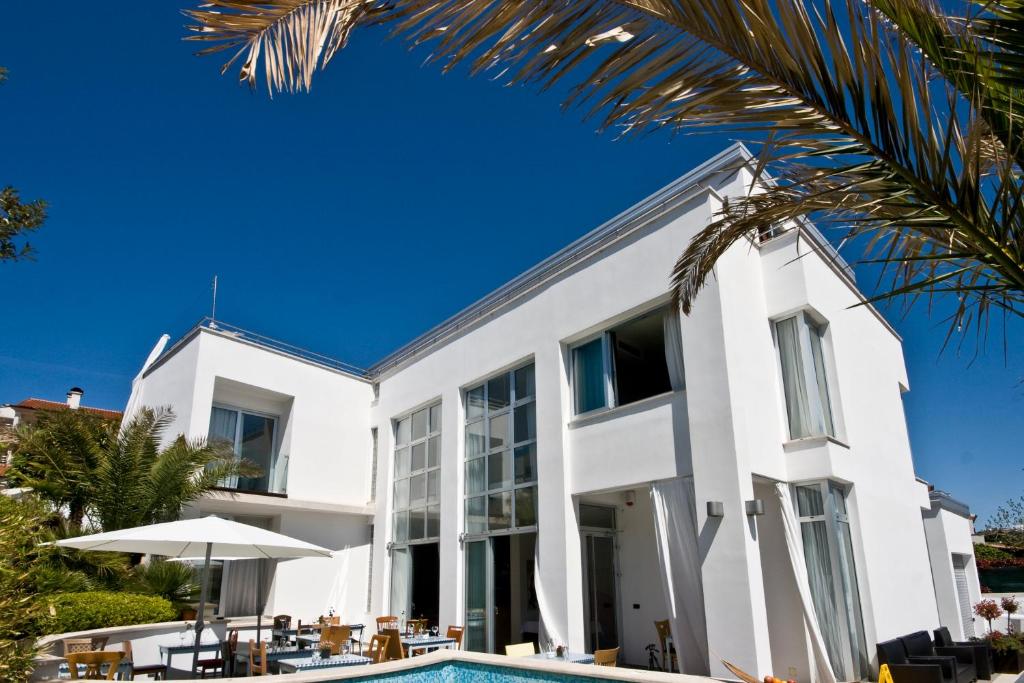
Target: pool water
{"x": 465, "y": 672}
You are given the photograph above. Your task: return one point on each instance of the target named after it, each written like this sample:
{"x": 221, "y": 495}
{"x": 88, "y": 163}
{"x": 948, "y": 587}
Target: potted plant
{"x": 988, "y": 610}
{"x": 1010, "y": 606}
{"x": 325, "y": 649}
{"x": 1007, "y": 652}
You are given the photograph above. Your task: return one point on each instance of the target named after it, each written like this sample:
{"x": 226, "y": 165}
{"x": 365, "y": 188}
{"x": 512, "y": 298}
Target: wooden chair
{"x": 227, "y": 655}
{"x": 520, "y": 650}
{"x": 258, "y": 667}
{"x": 93, "y": 662}
{"x": 336, "y": 636}
{"x": 418, "y": 625}
{"x": 608, "y": 657}
{"x": 394, "y": 649}
{"x": 456, "y": 633}
{"x": 668, "y": 652}
{"x": 332, "y": 621}
{"x": 84, "y": 644}
{"x": 158, "y": 672}
{"x": 386, "y": 622}
{"x": 378, "y": 649}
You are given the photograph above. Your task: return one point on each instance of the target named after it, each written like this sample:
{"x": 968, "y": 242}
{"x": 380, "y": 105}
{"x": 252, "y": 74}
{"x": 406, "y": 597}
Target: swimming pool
{"x": 456, "y": 666}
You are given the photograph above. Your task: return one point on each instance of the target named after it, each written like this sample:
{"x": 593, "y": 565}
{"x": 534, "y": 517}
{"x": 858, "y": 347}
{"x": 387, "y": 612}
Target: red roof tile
{"x": 43, "y": 404}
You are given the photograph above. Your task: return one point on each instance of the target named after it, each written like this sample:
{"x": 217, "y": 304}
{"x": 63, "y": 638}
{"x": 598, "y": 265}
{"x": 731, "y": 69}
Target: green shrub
{"x": 97, "y": 609}
{"x": 990, "y": 552}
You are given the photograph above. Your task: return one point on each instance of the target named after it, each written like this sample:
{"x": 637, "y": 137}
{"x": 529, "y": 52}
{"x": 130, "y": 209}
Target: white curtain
{"x": 798, "y": 403}
{"x": 222, "y": 429}
{"x": 401, "y": 575}
{"x": 135, "y": 398}
{"x": 675, "y": 526}
{"x": 548, "y": 626}
{"x": 674, "y": 349}
{"x": 240, "y": 593}
{"x": 794, "y": 544}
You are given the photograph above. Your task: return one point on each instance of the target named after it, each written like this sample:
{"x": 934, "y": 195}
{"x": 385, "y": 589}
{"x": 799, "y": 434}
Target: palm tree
{"x": 890, "y": 119}
{"x": 119, "y": 476}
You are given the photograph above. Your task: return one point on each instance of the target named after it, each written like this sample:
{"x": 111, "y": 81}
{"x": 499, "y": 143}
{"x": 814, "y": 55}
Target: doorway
{"x": 415, "y": 582}
{"x": 601, "y": 576}
{"x": 501, "y": 602}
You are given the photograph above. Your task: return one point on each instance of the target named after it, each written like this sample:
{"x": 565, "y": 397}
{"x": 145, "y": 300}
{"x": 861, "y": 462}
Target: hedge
{"x": 67, "y": 612}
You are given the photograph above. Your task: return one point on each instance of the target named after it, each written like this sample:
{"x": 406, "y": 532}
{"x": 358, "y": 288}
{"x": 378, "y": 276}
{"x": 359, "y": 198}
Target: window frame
{"x": 822, "y": 409}
{"x": 236, "y": 445}
{"x": 510, "y": 447}
{"x": 425, "y": 471}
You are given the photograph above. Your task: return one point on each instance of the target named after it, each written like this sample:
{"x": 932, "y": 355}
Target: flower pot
{"x": 187, "y": 614}
{"x": 1008, "y": 661}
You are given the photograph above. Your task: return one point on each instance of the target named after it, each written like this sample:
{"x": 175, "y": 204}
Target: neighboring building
{"x": 949, "y": 528}
{"x": 544, "y": 425}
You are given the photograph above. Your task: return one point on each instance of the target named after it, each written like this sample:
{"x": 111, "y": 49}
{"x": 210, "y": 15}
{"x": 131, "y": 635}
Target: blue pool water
{"x": 467, "y": 672}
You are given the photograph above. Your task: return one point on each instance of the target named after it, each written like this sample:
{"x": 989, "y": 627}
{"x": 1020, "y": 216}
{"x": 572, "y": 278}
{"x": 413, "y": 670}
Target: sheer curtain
{"x": 675, "y": 528}
{"x": 798, "y": 404}
{"x": 548, "y": 625}
{"x": 246, "y": 587}
{"x": 807, "y": 588}
{"x": 222, "y": 429}
{"x": 674, "y": 349}
{"x": 401, "y": 574}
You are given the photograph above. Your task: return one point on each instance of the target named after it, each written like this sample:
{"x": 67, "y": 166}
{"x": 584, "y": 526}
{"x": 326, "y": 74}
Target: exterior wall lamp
{"x": 716, "y": 508}
{"x": 754, "y": 507}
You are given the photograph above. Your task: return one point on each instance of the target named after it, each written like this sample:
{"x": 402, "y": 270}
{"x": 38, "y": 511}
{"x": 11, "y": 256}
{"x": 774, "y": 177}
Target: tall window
{"x": 832, "y": 574}
{"x": 501, "y": 453}
{"x": 251, "y": 437}
{"x": 626, "y": 363}
{"x": 416, "y": 504}
{"x": 804, "y": 376}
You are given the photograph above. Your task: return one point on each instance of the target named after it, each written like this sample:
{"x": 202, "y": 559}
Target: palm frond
{"x": 889, "y": 117}
{"x": 293, "y": 37}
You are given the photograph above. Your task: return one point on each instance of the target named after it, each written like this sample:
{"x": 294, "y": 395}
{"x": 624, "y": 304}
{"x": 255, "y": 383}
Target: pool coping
{"x": 522, "y": 663}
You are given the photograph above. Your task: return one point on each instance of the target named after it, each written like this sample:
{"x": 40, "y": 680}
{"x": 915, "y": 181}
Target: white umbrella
{"x": 133, "y": 399}
{"x": 205, "y": 536}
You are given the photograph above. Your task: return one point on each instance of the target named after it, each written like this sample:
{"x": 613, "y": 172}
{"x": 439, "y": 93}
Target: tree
{"x": 17, "y": 218}
{"x": 58, "y": 456}
{"x": 890, "y": 119}
{"x": 1006, "y": 526}
{"x": 115, "y": 477}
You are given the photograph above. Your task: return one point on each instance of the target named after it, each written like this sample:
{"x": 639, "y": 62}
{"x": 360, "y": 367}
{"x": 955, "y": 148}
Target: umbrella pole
{"x": 259, "y": 599}
{"x": 203, "y": 592}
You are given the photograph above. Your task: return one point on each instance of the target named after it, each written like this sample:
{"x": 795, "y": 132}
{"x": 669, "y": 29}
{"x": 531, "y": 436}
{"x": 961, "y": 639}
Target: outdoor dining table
{"x": 185, "y": 648}
{"x": 294, "y": 665}
{"x": 425, "y": 643}
{"x": 570, "y": 657}
{"x": 274, "y": 655}
{"x": 312, "y": 639}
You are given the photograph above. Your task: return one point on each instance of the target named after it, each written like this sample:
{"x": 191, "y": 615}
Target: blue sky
{"x": 346, "y": 221}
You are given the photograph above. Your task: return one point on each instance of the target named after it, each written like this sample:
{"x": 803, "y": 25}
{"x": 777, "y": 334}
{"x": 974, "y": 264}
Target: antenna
{"x": 213, "y": 313}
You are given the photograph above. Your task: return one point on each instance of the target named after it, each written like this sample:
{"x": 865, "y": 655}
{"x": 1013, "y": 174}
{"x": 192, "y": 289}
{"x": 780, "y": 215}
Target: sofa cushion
{"x": 918, "y": 644}
{"x": 892, "y": 652}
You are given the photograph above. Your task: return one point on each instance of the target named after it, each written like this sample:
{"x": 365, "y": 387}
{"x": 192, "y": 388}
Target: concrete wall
{"x": 949, "y": 534}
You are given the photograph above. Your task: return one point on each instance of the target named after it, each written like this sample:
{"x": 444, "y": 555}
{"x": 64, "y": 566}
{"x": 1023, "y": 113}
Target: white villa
{"x": 568, "y": 459}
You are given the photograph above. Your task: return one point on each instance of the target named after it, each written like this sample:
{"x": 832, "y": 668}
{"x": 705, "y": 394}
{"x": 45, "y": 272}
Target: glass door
{"x": 601, "y": 599}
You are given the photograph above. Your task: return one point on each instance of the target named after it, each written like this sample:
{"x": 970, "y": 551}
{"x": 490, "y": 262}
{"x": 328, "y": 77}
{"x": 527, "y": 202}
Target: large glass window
{"x": 252, "y": 437}
{"x": 624, "y": 364}
{"x": 832, "y": 574}
{"x": 416, "y": 504}
{"x": 501, "y": 453}
{"x": 804, "y": 376}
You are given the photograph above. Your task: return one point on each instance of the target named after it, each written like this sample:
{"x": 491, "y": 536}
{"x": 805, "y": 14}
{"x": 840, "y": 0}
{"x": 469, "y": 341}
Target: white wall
{"x": 949, "y": 533}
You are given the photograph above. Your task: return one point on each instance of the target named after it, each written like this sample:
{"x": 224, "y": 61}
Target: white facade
{"x": 727, "y": 429}
{"x": 949, "y": 530}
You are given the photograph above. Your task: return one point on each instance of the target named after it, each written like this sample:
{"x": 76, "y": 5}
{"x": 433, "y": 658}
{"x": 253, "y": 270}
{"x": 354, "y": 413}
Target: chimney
{"x": 74, "y": 397}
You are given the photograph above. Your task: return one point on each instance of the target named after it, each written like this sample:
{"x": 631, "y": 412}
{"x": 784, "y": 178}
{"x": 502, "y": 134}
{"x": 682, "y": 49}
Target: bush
{"x": 68, "y": 612}
{"x": 171, "y": 580}
{"x": 990, "y": 553}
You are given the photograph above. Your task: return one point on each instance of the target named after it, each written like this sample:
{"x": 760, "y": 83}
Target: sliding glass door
{"x": 832, "y": 573}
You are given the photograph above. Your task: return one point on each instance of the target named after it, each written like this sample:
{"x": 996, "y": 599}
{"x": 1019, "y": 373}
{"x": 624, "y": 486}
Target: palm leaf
{"x": 890, "y": 120}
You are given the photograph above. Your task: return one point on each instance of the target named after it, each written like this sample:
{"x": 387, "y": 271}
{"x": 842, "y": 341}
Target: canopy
{"x": 199, "y": 538}
{"x": 206, "y": 537}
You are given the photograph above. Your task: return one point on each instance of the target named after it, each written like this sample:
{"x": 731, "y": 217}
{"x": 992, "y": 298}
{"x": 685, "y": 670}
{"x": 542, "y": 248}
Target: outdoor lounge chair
{"x": 905, "y": 669}
{"x": 982, "y": 652}
{"x": 919, "y": 644}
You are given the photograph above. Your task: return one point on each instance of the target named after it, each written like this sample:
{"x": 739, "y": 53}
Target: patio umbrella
{"x": 207, "y": 537}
